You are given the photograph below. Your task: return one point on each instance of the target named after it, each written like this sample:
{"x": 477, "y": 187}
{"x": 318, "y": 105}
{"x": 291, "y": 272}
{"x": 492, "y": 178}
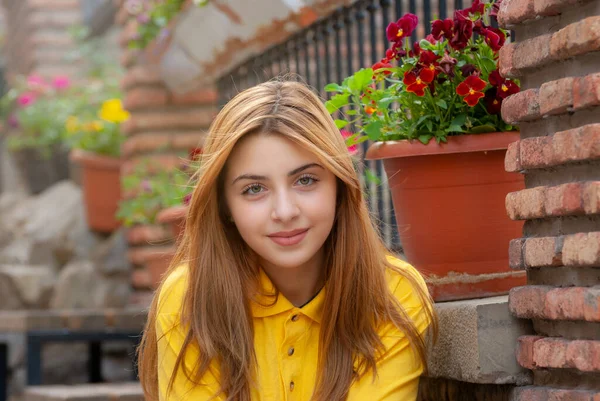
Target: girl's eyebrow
{"x": 262, "y": 177}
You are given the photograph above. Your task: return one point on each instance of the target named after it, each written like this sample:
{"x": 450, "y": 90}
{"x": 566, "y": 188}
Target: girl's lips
{"x": 293, "y": 238}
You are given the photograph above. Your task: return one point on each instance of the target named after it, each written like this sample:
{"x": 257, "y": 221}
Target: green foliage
{"x": 154, "y": 192}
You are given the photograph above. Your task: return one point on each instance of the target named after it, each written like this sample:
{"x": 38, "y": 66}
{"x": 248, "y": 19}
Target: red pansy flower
{"x": 493, "y": 103}
{"x": 442, "y": 28}
{"x": 463, "y": 30}
{"x": 506, "y": 87}
{"x": 477, "y": 7}
{"x": 471, "y": 89}
{"x": 494, "y": 37}
{"x": 417, "y": 83}
{"x": 382, "y": 64}
{"x": 396, "y": 31}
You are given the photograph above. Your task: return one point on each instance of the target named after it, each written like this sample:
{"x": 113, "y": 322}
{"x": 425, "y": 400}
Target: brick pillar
{"x": 163, "y": 127}
{"x": 37, "y": 39}
{"x": 557, "y": 58}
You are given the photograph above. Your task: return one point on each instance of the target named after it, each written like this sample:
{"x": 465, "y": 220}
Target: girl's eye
{"x": 306, "y": 180}
{"x": 252, "y": 189}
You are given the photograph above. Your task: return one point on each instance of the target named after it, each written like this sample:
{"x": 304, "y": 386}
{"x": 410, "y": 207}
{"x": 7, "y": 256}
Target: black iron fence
{"x": 331, "y": 49}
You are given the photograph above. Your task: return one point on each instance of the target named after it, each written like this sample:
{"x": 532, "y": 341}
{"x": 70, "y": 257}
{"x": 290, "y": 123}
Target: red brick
{"x": 591, "y": 304}
{"x": 581, "y": 249}
{"x": 576, "y": 39}
{"x": 591, "y": 197}
{"x": 564, "y": 200}
{"x": 141, "y": 75}
{"x": 147, "y": 143}
{"x": 144, "y": 98}
{"x": 140, "y": 278}
{"x": 522, "y": 106}
{"x": 525, "y": 351}
{"x": 543, "y": 251}
{"x": 548, "y": 8}
{"x": 56, "y": 19}
{"x": 54, "y": 5}
{"x": 145, "y": 234}
{"x": 506, "y": 61}
{"x": 526, "y": 204}
{"x": 565, "y": 146}
{"x": 515, "y": 253}
{"x": 512, "y": 162}
{"x": 514, "y": 12}
{"x": 169, "y": 120}
{"x": 550, "y": 353}
{"x": 584, "y": 355}
{"x": 586, "y": 91}
{"x": 532, "y": 53}
{"x": 589, "y": 142}
{"x": 205, "y": 96}
{"x": 528, "y": 302}
{"x": 536, "y": 152}
{"x": 556, "y": 97}
{"x": 122, "y": 16}
{"x": 129, "y": 57}
{"x": 564, "y": 303}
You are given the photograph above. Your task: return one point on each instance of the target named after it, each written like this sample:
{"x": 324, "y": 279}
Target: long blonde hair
{"x": 221, "y": 271}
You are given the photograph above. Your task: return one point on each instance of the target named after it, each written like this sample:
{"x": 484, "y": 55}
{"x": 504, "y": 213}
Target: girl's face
{"x": 281, "y": 199}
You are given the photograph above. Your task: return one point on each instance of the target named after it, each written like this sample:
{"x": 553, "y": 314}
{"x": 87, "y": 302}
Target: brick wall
{"x": 37, "y": 39}
{"x": 557, "y": 58}
{"x": 163, "y": 127}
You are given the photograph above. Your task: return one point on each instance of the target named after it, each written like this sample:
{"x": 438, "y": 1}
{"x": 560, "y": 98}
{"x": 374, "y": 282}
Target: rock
{"x": 33, "y": 284}
{"x": 110, "y": 257}
{"x": 80, "y": 285}
{"x": 79, "y": 241}
{"x": 26, "y": 251}
{"x": 10, "y": 298}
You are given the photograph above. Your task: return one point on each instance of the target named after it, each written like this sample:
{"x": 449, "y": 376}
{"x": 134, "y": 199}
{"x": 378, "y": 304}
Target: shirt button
{"x": 294, "y": 318}
{"x": 292, "y": 386}
{"x": 291, "y": 351}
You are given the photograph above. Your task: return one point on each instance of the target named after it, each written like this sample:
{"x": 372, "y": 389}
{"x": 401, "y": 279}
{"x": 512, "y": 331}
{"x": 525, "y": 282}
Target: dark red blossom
{"x": 463, "y": 30}
{"x": 384, "y": 63}
{"x": 468, "y": 69}
{"x": 396, "y": 31}
{"x": 506, "y": 87}
{"x": 428, "y": 57}
{"x": 495, "y": 9}
{"x": 416, "y": 50}
{"x": 417, "y": 83}
{"x": 494, "y": 37}
{"x": 442, "y": 28}
{"x": 493, "y": 103}
{"x": 471, "y": 89}
{"x": 477, "y": 8}
{"x": 447, "y": 64}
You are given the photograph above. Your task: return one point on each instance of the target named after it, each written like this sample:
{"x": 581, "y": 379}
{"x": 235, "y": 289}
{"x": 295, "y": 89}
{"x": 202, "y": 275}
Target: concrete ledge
{"x": 83, "y": 392}
{"x": 477, "y": 342}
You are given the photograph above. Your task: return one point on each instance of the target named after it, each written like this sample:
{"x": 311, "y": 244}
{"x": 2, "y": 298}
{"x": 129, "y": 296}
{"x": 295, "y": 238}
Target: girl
{"x": 281, "y": 288}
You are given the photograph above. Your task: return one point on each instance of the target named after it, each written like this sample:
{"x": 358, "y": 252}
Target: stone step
{"x": 130, "y": 391}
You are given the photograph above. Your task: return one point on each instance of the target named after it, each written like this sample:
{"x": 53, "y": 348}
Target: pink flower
{"x": 61, "y": 82}
{"x": 36, "y": 81}
{"x": 26, "y": 99}
{"x": 13, "y": 122}
{"x": 353, "y": 149}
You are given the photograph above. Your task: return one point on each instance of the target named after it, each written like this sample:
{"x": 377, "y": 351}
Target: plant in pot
{"x": 35, "y": 110}
{"x": 150, "y": 194}
{"x": 94, "y": 134}
{"x": 432, "y": 111}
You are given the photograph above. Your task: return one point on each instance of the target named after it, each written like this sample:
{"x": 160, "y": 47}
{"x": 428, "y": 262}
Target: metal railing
{"x": 331, "y": 49}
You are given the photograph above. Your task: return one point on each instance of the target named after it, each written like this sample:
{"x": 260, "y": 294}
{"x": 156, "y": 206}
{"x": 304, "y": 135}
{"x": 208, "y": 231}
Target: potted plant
{"x": 94, "y": 134}
{"x": 432, "y": 110}
{"x": 34, "y": 110}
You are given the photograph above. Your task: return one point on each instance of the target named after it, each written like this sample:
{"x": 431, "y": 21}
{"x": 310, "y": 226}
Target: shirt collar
{"x": 264, "y": 304}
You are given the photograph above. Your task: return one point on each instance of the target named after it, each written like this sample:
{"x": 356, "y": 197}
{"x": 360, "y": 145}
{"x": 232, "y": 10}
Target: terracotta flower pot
{"x": 449, "y": 203}
{"x": 175, "y": 217}
{"x": 101, "y": 183}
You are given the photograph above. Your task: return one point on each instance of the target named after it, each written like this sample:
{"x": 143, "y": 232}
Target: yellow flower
{"x": 93, "y": 126}
{"x": 72, "y": 124}
{"x": 112, "y": 111}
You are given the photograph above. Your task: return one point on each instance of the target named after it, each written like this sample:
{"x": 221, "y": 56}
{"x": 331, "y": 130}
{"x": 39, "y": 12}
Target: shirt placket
{"x": 296, "y": 326}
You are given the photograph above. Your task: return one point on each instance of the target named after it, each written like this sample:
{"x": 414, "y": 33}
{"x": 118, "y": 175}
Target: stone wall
{"x": 557, "y": 58}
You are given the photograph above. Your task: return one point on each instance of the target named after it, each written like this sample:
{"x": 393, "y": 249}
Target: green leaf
{"x": 338, "y": 101}
{"x": 480, "y": 129}
{"x": 429, "y": 125}
{"x": 442, "y": 103}
{"x": 373, "y": 130}
{"x": 425, "y": 139}
{"x": 454, "y": 128}
{"x": 340, "y": 123}
{"x": 372, "y": 177}
{"x": 459, "y": 120}
{"x": 333, "y": 88}
{"x": 361, "y": 79}
{"x": 351, "y": 113}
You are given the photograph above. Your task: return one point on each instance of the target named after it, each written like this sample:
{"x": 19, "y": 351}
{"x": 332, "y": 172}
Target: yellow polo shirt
{"x": 286, "y": 342}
